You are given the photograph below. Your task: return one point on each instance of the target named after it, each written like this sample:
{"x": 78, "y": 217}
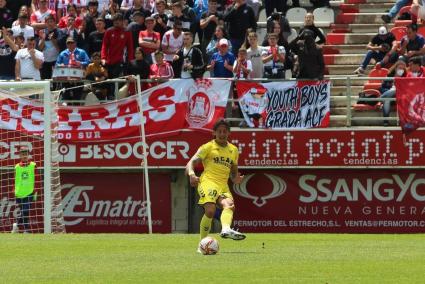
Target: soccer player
{"x": 24, "y": 188}
{"x": 220, "y": 159}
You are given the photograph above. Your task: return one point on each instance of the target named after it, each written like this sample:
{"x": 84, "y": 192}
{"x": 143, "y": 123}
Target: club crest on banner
{"x": 279, "y": 188}
{"x": 201, "y": 103}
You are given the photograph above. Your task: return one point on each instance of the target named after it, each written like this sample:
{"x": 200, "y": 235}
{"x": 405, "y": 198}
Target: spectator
{"x": 22, "y": 11}
{"x": 112, "y": 10}
{"x": 388, "y": 17}
{"x": 212, "y": 46}
{"x": 71, "y": 31}
{"x": 72, "y": 55}
{"x": 23, "y": 28}
{"x": 89, "y": 21}
{"x": 239, "y": 17}
{"x": 149, "y": 40}
{"x": 71, "y": 11}
{"x": 161, "y": 69}
{"x": 28, "y": 62}
{"x": 254, "y": 54}
{"x": 6, "y": 17}
{"x": 242, "y": 67}
{"x": 283, "y": 22}
{"x": 97, "y": 73}
{"x": 177, "y": 15}
{"x": 274, "y": 58}
{"x": 126, "y": 5}
{"x": 412, "y": 44}
{"x": 172, "y": 41}
{"x": 255, "y": 5}
{"x": 95, "y": 38}
{"x": 289, "y": 58}
{"x": 38, "y": 17}
{"x": 136, "y": 26}
{"x": 388, "y": 87}
{"x": 418, "y": 10}
{"x": 115, "y": 41}
{"x": 139, "y": 66}
{"x": 160, "y": 17}
{"x": 8, "y": 51}
{"x": 189, "y": 62}
{"x": 50, "y": 38}
{"x": 15, "y": 6}
{"x": 102, "y": 5}
{"x": 137, "y": 7}
{"x": 189, "y": 13}
{"x": 381, "y": 44}
{"x": 310, "y": 59}
{"x": 309, "y": 25}
{"x": 416, "y": 70}
{"x": 221, "y": 63}
{"x": 208, "y": 23}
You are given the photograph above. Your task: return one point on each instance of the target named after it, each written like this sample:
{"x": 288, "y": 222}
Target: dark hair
{"x": 178, "y": 5}
{"x": 95, "y": 54}
{"x": 24, "y": 149}
{"x": 93, "y": 3}
{"x": 100, "y": 19}
{"x": 219, "y": 122}
{"x": 71, "y": 5}
{"x": 118, "y": 17}
{"x": 188, "y": 34}
{"x": 413, "y": 27}
{"x": 416, "y": 60}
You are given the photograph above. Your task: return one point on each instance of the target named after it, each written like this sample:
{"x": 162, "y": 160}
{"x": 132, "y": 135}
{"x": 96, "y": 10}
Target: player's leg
{"x": 26, "y": 207}
{"x": 226, "y": 202}
{"x": 208, "y": 195}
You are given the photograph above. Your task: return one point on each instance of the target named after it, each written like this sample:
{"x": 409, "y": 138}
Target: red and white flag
{"x": 302, "y": 104}
{"x": 167, "y": 109}
{"x": 410, "y": 96}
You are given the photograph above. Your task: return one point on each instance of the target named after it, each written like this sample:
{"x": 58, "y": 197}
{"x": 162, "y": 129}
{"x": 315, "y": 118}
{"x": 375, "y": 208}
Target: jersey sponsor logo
{"x": 279, "y": 188}
{"x": 223, "y": 161}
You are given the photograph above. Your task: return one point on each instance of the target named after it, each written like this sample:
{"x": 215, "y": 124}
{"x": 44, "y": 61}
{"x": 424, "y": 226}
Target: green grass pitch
{"x": 285, "y": 258}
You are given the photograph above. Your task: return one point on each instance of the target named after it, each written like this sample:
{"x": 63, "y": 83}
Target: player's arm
{"x": 190, "y": 169}
{"x": 235, "y": 175}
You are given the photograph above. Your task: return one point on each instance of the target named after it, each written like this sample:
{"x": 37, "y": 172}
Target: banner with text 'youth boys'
{"x": 293, "y": 104}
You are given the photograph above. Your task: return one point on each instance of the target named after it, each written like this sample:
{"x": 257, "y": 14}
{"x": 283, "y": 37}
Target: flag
{"x": 410, "y": 97}
{"x": 291, "y": 104}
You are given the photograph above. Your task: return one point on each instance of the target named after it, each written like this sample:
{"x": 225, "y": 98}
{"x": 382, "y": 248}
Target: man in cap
{"x": 380, "y": 45}
{"x": 221, "y": 63}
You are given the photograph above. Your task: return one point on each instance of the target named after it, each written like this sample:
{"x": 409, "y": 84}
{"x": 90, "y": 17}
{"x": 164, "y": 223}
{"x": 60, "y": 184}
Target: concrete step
{"x": 365, "y": 8}
{"x": 341, "y": 59}
{"x": 344, "y": 69}
{"x": 359, "y": 18}
{"x": 358, "y": 28}
{"x": 338, "y": 111}
{"x": 344, "y": 49}
{"x": 342, "y": 91}
{"x": 338, "y": 121}
{"x": 341, "y": 80}
{"x": 371, "y": 118}
{"x": 347, "y": 38}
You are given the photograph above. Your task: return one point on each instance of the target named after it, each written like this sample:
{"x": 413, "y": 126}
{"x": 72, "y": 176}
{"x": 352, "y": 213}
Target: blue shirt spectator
{"x": 200, "y": 7}
{"x": 221, "y": 64}
{"x": 73, "y": 56}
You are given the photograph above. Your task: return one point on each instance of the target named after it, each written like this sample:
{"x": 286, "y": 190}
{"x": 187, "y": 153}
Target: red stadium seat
{"x": 421, "y": 31}
{"x": 371, "y": 93}
{"x": 381, "y": 72}
{"x": 398, "y": 32}
{"x": 405, "y": 9}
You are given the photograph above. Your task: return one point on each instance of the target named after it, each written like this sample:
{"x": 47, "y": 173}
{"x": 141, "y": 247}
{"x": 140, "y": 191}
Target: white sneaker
{"x": 15, "y": 228}
{"x": 359, "y": 71}
{"x": 199, "y": 250}
{"x": 232, "y": 234}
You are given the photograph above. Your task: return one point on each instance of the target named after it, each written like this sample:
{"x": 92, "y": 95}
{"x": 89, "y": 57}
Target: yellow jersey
{"x": 217, "y": 161}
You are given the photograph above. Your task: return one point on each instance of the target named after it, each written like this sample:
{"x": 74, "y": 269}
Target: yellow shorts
{"x": 209, "y": 192}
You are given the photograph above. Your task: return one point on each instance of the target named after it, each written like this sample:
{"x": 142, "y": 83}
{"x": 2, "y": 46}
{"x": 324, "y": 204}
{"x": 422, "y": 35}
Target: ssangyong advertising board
{"x": 115, "y": 202}
{"x": 331, "y": 201}
{"x": 271, "y": 149}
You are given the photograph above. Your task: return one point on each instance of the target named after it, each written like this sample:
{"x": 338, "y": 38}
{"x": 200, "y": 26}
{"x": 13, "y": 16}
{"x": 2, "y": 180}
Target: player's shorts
{"x": 209, "y": 192}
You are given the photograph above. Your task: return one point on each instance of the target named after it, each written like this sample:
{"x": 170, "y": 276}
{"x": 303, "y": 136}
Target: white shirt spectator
{"x": 174, "y": 44}
{"x": 28, "y": 70}
{"x": 267, "y": 50}
{"x": 248, "y": 65}
{"x": 27, "y": 31}
{"x": 79, "y": 3}
{"x": 257, "y": 61}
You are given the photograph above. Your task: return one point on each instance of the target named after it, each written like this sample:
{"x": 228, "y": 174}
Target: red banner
{"x": 331, "y": 201}
{"x": 272, "y": 149}
{"x": 410, "y": 93}
{"x": 167, "y": 109}
{"x": 104, "y": 203}
{"x": 294, "y": 104}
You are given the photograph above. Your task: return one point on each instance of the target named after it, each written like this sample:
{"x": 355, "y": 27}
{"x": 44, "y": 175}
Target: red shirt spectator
{"x": 39, "y": 16}
{"x": 149, "y": 40}
{"x": 63, "y": 22}
{"x": 162, "y": 69}
{"x": 115, "y": 41}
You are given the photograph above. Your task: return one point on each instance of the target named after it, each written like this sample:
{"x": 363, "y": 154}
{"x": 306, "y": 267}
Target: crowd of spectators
{"x": 151, "y": 38}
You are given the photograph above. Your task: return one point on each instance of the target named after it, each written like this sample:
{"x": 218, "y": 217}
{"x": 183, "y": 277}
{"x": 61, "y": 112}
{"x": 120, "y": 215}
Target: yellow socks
{"x": 226, "y": 218}
{"x": 205, "y": 226}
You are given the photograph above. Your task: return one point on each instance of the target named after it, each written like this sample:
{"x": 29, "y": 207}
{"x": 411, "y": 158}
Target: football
{"x": 208, "y": 246}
